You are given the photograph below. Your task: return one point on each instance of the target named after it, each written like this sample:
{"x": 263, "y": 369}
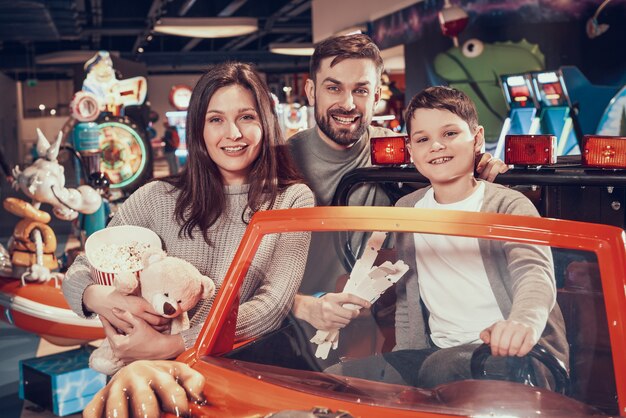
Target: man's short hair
{"x": 357, "y": 46}
{"x": 443, "y": 98}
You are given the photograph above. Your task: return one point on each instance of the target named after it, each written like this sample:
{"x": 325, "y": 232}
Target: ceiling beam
{"x": 269, "y": 25}
{"x": 127, "y": 31}
{"x": 297, "y": 10}
{"x": 96, "y": 21}
{"x": 154, "y": 13}
{"x": 198, "y": 61}
{"x": 17, "y": 66}
{"x": 232, "y": 7}
{"x": 191, "y": 44}
{"x": 184, "y": 8}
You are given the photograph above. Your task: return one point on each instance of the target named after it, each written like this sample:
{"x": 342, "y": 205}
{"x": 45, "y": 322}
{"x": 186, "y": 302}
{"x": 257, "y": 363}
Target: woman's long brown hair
{"x": 201, "y": 200}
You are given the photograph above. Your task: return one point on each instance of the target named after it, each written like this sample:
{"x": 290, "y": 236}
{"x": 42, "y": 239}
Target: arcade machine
{"x": 113, "y": 147}
{"x": 522, "y": 104}
{"x": 292, "y": 116}
{"x": 180, "y": 95}
{"x": 597, "y": 105}
{"x": 613, "y": 121}
{"x": 125, "y": 154}
{"x": 556, "y": 116}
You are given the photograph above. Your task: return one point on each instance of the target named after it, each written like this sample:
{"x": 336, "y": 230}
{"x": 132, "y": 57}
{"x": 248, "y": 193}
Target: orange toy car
{"x": 280, "y": 371}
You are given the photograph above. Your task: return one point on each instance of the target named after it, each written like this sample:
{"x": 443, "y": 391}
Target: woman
{"x": 236, "y": 166}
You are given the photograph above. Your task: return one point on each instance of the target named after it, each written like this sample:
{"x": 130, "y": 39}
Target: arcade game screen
{"x": 550, "y": 90}
{"x": 517, "y": 90}
{"x": 178, "y": 119}
{"x": 122, "y": 151}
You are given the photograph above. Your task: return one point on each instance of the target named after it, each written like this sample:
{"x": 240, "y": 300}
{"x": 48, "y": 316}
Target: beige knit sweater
{"x": 273, "y": 278}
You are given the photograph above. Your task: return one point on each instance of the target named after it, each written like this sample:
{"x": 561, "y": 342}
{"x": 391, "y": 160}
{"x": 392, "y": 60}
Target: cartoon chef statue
{"x": 112, "y": 94}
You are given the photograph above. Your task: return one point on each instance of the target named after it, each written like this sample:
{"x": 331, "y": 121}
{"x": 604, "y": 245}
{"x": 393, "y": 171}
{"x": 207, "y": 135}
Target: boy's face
{"x": 443, "y": 146}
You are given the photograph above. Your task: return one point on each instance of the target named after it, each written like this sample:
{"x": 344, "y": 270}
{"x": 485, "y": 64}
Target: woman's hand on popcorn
{"x": 102, "y": 299}
{"x": 144, "y": 388}
{"x": 130, "y": 340}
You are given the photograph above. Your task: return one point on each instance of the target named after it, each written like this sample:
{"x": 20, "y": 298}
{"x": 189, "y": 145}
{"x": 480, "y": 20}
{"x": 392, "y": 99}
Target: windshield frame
{"x": 607, "y": 242}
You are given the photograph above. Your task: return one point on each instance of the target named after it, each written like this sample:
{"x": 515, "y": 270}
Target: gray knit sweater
{"x": 323, "y": 168}
{"x": 521, "y": 277}
{"x": 273, "y": 278}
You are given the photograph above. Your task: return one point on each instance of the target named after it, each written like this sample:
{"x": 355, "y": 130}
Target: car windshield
{"x": 434, "y": 294}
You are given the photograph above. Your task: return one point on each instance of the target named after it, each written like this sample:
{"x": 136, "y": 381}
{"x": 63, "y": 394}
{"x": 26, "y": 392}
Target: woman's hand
{"x": 509, "y": 338}
{"x": 102, "y": 299}
{"x": 327, "y": 312}
{"x": 138, "y": 340}
{"x": 143, "y": 388}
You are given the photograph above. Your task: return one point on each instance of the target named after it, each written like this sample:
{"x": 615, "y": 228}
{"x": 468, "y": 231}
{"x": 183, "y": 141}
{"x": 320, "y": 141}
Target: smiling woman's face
{"x": 233, "y": 132}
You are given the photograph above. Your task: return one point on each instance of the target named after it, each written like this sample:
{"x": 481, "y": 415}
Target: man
{"x": 344, "y": 87}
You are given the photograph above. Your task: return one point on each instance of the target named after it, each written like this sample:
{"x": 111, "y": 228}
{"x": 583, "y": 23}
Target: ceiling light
{"x": 207, "y": 27}
{"x": 292, "y": 49}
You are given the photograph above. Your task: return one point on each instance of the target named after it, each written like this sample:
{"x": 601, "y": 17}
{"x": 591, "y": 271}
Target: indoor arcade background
{"x": 508, "y": 31}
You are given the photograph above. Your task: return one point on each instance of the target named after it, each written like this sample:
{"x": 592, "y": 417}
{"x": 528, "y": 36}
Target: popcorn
{"x": 119, "y": 257}
{"x": 118, "y": 249}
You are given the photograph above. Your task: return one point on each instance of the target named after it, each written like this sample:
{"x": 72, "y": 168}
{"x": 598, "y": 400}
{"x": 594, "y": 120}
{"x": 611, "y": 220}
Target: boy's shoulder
{"x": 502, "y": 199}
{"x": 409, "y": 200}
{"x": 501, "y": 191}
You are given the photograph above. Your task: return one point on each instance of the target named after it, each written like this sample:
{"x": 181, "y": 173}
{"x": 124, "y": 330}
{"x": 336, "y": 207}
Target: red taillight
{"x": 604, "y": 151}
{"x": 530, "y": 149}
{"x": 389, "y": 150}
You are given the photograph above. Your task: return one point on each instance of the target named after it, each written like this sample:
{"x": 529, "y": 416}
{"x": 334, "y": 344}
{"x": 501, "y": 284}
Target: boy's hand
{"x": 509, "y": 338}
{"x": 489, "y": 167}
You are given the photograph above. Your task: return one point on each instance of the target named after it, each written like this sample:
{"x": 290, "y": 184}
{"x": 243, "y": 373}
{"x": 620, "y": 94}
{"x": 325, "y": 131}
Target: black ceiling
{"x": 32, "y": 29}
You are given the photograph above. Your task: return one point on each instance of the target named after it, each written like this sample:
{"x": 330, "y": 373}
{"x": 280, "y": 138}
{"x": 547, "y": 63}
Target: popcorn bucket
{"x": 122, "y": 235}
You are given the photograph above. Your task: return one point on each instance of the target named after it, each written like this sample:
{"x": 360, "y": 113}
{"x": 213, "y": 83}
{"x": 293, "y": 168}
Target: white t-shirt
{"x": 453, "y": 281}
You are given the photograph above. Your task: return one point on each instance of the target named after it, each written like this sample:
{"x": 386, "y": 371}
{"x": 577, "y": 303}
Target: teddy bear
{"x": 171, "y": 285}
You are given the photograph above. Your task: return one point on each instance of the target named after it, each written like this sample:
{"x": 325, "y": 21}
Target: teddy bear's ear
{"x": 152, "y": 256}
{"x": 208, "y": 287}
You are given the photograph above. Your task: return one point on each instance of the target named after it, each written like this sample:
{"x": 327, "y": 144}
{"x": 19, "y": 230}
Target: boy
{"x": 472, "y": 291}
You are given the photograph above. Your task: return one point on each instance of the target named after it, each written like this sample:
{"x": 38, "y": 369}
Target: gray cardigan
{"x": 521, "y": 276}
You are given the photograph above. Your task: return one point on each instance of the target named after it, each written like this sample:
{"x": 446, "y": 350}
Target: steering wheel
{"x": 523, "y": 371}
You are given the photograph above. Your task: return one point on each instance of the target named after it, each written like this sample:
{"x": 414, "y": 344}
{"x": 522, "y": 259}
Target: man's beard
{"x": 343, "y": 137}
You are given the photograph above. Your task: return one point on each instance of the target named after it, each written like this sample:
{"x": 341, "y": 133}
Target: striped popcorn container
{"x": 117, "y": 249}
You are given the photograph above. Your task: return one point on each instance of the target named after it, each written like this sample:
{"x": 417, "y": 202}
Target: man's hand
{"x": 327, "y": 312}
{"x": 509, "y": 338}
{"x": 489, "y": 167}
{"x": 139, "y": 388}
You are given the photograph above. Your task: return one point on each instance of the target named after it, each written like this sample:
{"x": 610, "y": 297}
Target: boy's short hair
{"x": 443, "y": 98}
{"x": 354, "y": 46}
